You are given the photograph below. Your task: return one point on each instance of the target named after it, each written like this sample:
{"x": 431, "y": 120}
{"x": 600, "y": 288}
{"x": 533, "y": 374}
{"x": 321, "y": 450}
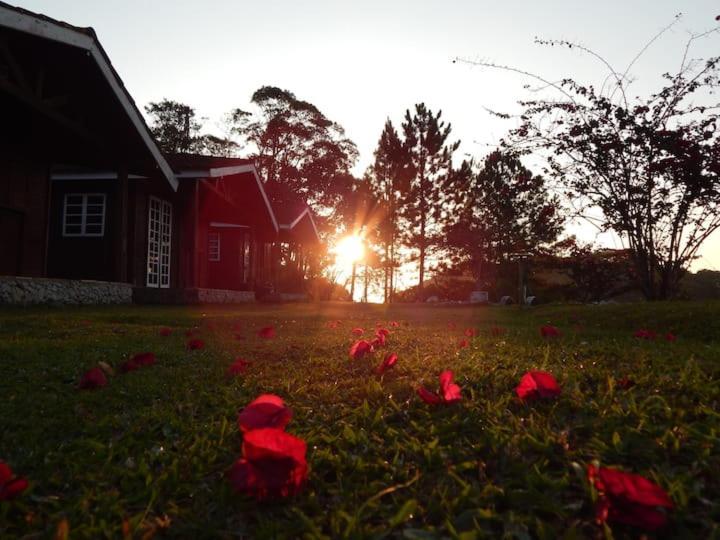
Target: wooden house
{"x": 86, "y": 194}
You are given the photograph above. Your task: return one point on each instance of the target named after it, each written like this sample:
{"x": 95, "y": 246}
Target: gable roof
{"x": 46, "y": 28}
{"x": 290, "y": 209}
{"x": 199, "y": 167}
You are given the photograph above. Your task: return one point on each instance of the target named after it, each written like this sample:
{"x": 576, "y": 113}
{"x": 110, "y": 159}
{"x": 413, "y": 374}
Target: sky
{"x": 363, "y": 62}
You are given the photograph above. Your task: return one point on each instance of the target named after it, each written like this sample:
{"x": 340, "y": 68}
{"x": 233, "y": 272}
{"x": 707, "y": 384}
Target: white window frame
{"x": 214, "y": 246}
{"x": 159, "y": 244}
{"x": 83, "y": 216}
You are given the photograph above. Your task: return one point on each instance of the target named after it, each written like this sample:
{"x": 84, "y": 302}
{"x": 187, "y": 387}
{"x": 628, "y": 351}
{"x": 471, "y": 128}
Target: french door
{"x": 159, "y": 240}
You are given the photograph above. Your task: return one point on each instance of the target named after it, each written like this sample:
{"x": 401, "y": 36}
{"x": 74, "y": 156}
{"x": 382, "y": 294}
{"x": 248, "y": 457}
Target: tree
{"x": 650, "y": 165}
{"x": 212, "y": 145}
{"x": 298, "y": 146}
{"x": 501, "y": 209}
{"x": 430, "y": 161}
{"x": 173, "y": 125}
{"x": 388, "y": 177}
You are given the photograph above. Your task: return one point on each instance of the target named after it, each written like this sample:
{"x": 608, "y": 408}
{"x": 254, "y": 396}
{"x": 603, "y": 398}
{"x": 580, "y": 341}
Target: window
{"x": 159, "y": 241}
{"x": 214, "y": 246}
{"x": 84, "y": 214}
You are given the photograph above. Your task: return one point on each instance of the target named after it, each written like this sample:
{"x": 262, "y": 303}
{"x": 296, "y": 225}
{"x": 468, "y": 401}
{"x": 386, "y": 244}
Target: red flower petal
{"x": 360, "y": 348}
{"x": 670, "y": 337}
{"x": 394, "y": 324}
{"x": 629, "y": 498}
{"x": 549, "y": 331}
{"x": 449, "y": 390}
{"x": 165, "y": 332}
{"x": 389, "y": 361}
{"x": 273, "y": 465}
{"x": 93, "y": 378}
{"x": 428, "y": 397}
{"x": 267, "y": 411}
{"x": 643, "y": 333}
{"x": 238, "y": 367}
{"x": 129, "y": 365}
{"x": 144, "y": 359}
{"x": 10, "y": 485}
{"x": 463, "y": 343}
{"x": 357, "y": 331}
{"x": 537, "y": 384}
{"x": 268, "y": 332}
{"x": 382, "y": 332}
{"x": 195, "y": 344}
{"x": 470, "y": 332}
{"x": 625, "y": 383}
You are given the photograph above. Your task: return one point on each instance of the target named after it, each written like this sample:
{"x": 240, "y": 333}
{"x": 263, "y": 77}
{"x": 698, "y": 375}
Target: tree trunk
{"x": 386, "y": 292}
{"x": 365, "y": 290}
{"x": 352, "y": 283}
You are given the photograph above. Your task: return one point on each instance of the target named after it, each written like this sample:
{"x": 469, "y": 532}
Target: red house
{"x": 85, "y": 193}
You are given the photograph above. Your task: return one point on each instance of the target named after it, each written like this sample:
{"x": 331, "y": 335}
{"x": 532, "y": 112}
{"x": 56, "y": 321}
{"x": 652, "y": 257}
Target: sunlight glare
{"x": 349, "y": 250}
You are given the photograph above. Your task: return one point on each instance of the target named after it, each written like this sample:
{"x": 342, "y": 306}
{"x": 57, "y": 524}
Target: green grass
{"x": 148, "y": 453}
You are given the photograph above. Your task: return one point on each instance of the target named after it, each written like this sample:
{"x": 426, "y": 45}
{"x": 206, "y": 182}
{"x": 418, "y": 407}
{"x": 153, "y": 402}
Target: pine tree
{"x": 431, "y": 164}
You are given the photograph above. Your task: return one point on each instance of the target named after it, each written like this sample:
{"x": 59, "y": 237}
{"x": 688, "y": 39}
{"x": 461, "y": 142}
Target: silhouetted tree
{"x": 430, "y": 164}
{"x": 173, "y": 125}
{"x": 388, "y": 177}
{"x": 650, "y": 165}
{"x": 298, "y": 146}
{"x": 499, "y": 210}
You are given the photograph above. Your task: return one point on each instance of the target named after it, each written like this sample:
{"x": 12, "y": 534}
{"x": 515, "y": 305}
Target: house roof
{"x": 293, "y": 214}
{"x": 48, "y": 29}
{"x": 188, "y": 162}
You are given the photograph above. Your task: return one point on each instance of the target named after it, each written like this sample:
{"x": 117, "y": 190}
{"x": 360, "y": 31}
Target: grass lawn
{"x": 147, "y": 454}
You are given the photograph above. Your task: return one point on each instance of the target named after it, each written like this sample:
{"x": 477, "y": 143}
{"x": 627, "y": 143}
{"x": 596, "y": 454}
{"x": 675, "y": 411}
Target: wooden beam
{"x": 121, "y": 226}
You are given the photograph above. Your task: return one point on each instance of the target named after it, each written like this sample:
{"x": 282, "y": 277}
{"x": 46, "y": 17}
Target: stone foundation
{"x": 28, "y": 291}
{"x": 148, "y": 295}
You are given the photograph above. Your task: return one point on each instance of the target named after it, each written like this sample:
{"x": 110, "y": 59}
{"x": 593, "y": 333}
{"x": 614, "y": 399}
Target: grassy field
{"x": 147, "y": 454}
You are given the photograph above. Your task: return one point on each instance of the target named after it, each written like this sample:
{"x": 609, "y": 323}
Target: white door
{"x": 159, "y": 240}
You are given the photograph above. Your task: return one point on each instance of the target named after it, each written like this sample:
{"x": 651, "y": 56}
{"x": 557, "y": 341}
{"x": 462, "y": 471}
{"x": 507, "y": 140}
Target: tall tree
{"x": 174, "y": 125}
{"x": 388, "y": 177}
{"x": 297, "y": 145}
{"x": 650, "y": 165}
{"x": 430, "y": 159}
{"x": 501, "y": 209}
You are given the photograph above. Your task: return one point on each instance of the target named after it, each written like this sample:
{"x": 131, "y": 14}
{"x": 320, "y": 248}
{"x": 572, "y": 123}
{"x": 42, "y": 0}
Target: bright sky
{"x": 361, "y": 62}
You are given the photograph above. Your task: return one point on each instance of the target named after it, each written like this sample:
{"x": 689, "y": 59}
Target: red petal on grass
{"x": 379, "y": 341}
{"x": 268, "y": 332}
{"x": 128, "y": 366}
{"x": 195, "y": 344}
{"x": 670, "y": 337}
{"x": 394, "y": 324}
{"x": 360, "y": 348}
{"x": 238, "y": 367}
{"x": 449, "y": 390}
{"x": 537, "y": 384}
{"x": 463, "y": 343}
{"x": 273, "y": 465}
{"x": 357, "y": 331}
{"x": 165, "y": 332}
{"x": 93, "y": 378}
{"x": 428, "y": 397}
{"x": 10, "y": 485}
{"x": 644, "y": 333}
{"x": 382, "y": 332}
{"x": 549, "y": 331}
{"x": 624, "y": 383}
{"x": 267, "y": 411}
{"x": 389, "y": 361}
{"x": 497, "y": 331}
{"x": 471, "y": 332}
{"x": 144, "y": 359}
{"x": 629, "y": 498}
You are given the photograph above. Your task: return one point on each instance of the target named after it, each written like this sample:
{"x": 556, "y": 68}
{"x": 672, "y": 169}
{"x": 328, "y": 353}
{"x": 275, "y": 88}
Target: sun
{"x": 349, "y": 250}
